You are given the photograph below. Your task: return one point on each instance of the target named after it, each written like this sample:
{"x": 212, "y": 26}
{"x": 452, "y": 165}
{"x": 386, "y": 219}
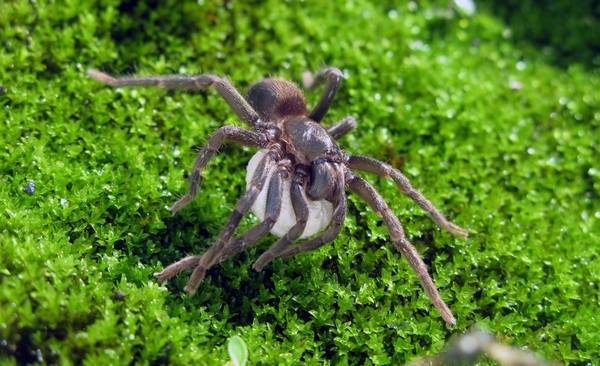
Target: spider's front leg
{"x": 300, "y": 206}
{"x": 272, "y": 212}
{"x": 337, "y": 221}
{"x": 384, "y": 170}
{"x": 204, "y": 262}
{"x": 215, "y": 252}
{"x": 199, "y": 82}
{"x": 224, "y": 134}
{"x": 374, "y": 199}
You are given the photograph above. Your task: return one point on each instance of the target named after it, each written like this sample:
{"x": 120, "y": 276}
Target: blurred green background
{"x": 492, "y": 114}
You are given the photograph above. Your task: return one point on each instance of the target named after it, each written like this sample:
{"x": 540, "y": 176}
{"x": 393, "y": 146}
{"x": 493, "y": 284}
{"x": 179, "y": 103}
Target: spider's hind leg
{"x": 272, "y": 211}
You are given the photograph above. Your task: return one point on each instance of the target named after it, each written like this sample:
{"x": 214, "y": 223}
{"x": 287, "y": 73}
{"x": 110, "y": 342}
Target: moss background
{"x": 497, "y": 128}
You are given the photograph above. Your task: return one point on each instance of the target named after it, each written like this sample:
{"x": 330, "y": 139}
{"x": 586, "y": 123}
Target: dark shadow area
{"x": 566, "y": 32}
{"x": 149, "y": 27}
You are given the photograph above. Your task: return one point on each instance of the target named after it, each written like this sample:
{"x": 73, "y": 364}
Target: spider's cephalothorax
{"x": 296, "y": 182}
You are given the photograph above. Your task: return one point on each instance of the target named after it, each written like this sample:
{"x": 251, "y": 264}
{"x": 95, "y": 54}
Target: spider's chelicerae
{"x": 296, "y": 182}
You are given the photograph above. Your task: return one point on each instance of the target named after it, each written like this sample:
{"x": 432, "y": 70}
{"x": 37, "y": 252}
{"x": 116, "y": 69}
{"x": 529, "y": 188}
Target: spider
{"x": 296, "y": 182}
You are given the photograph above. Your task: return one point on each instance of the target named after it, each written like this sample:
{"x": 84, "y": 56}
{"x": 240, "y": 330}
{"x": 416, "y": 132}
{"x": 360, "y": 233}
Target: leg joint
{"x": 270, "y": 220}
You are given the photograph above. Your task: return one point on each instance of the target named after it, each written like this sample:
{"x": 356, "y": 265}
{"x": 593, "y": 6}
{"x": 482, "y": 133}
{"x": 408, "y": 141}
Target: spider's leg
{"x": 384, "y": 170}
{"x": 300, "y": 205}
{"x": 337, "y": 221}
{"x": 342, "y": 127}
{"x": 211, "y": 256}
{"x": 177, "y": 267}
{"x": 243, "y": 205}
{"x": 332, "y": 77}
{"x": 374, "y": 199}
{"x": 272, "y": 211}
{"x": 224, "y": 134}
{"x": 197, "y": 82}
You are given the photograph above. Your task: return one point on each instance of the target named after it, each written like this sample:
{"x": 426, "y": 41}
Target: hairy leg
{"x": 300, "y": 205}
{"x": 272, "y": 211}
{"x": 175, "y": 268}
{"x": 384, "y": 170}
{"x": 199, "y": 82}
{"x": 337, "y": 221}
{"x": 374, "y": 199}
{"x": 212, "y": 255}
{"x": 332, "y": 77}
{"x": 242, "y": 207}
{"x": 224, "y": 134}
{"x": 342, "y": 127}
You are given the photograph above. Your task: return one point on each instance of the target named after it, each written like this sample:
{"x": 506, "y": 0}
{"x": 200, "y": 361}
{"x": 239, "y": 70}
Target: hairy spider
{"x": 296, "y": 182}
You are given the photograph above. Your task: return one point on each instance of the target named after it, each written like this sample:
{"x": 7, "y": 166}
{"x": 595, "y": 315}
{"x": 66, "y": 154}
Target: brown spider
{"x": 296, "y": 182}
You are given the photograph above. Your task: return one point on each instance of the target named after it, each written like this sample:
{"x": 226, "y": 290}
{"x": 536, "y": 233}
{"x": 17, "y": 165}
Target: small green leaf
{"x": 237, "y": 351}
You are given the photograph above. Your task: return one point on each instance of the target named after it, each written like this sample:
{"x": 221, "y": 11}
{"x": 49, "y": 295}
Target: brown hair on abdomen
{"x": 276, "y": 98}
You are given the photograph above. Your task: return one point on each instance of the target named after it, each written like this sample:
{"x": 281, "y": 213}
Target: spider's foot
{"x": 172, "y": 270}
{"x": 187, "y": 198}
{"x": 458, "y": 231}
{"x": 162, "y": 277}
{"x": 102, "y": 77}
{"x": 181, "y": 203}
{"x": 262, "y": 262}
{"x": 449, "y": 319}
{"x": 195, "y": 280}
{"x": 191, "y": 289}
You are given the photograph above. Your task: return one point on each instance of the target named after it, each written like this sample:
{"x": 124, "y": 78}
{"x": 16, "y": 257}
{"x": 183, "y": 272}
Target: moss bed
{"x": 500, "y": 136}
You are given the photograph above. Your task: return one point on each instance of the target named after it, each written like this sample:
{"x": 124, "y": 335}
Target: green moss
{"x": 432, "y": 94}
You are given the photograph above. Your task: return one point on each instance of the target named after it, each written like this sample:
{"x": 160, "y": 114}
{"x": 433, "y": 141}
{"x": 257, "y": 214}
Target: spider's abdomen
{"x": 274, "y": 99}
{"x": 319, "y": 212}
{"x": 308, "y": 139}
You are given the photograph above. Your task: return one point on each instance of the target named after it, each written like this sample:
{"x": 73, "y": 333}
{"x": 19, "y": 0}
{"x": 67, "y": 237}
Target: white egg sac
{"x": 319, "y": 212}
